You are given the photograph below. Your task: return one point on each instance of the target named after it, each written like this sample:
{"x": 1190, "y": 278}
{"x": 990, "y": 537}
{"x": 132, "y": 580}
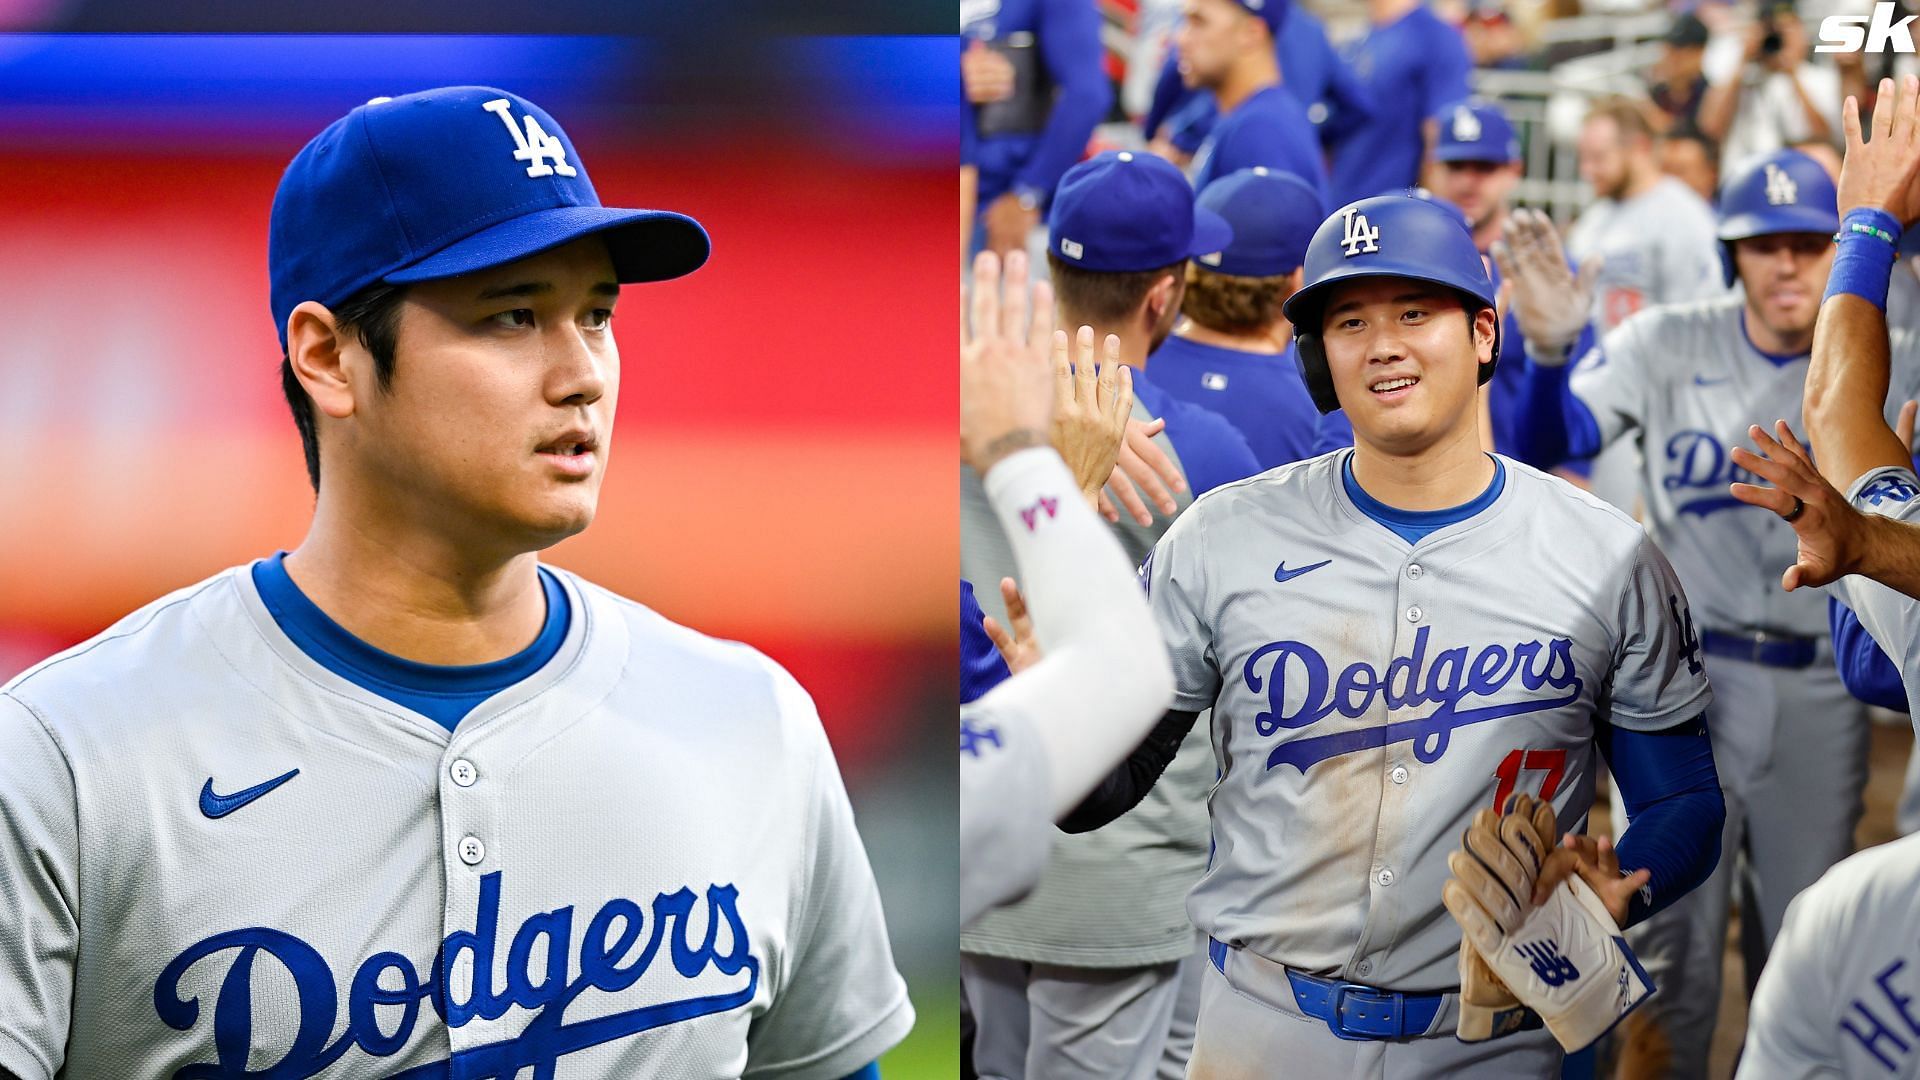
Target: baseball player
{"x": 1226, "y": 48}
{"x": 1684, "y": 383}
{"x": 1033, "y": 746}
{"x": 404, "y": 802}
{"x": 1836, "y": 996}
{"x": 1391, "y": 638}
{"x": 1232, "y": 352}
{"x": 1410, "y": 63}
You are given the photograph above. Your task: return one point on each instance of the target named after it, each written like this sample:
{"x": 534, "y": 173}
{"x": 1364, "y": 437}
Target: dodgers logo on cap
{"x": 1781, "y": 190}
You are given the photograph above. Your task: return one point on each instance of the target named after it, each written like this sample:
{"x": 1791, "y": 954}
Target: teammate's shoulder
{"x": 1678, "y": 325}
{"x": 141, "y": 641}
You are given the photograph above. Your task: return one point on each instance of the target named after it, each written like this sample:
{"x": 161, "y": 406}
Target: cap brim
{"x": 1211, "y": 233}
{"x": 1470, "y": 152}
{"x": 646, "y": 245}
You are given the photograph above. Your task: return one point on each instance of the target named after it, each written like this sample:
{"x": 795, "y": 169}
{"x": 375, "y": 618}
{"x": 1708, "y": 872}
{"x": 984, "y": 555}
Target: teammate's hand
{"x": 1092, "y": 402}
{"x": 1008, "y": 223}
{"x": 987, "y": 75}
{"x": 1551, "y": 302}
{"x": 1018, "y": 647}
{"x": 1830, "y": 530}
{"x": 1145, "y": 469}
{"x": 1882, "y": 172}
{"x": 1006, "y": 378}
{"x": 1595, "y": 861}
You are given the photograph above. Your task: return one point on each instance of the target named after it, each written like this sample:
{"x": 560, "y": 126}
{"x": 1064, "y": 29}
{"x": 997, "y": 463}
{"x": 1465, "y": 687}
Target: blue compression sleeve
{"x": 1674, "y": 805}
{"x": 1555, "y": 425}
{"x": 871, "y": 1072}
{"x": 1865, "y": 668}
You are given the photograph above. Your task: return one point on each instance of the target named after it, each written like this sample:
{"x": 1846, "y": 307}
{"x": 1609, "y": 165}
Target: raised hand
{"x": 1006, "y": 378}
{"x": 1597, "y": 864}
{"x": 1092, "y": 402}
{"x": 1551, "y": 303}
{"x": 1881, "y": 167}
{"x": 1829, "y": 530}
{"x": 1017, "y": 643}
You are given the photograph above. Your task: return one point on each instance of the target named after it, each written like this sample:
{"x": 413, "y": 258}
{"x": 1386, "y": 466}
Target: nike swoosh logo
{"x": 1701, "y": 380}
{"x": 1281, "y": 573}
{"x": 219, "y": 806}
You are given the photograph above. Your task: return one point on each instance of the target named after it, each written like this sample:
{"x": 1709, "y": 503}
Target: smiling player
{"x": 1392, "y": 638}
{"x": 404, "y": 802}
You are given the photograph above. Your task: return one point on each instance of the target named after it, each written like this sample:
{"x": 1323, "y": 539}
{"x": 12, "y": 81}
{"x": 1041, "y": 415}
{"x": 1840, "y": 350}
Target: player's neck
{"x": 1772, "y": 342}
{"x": 1244, "y": 79}
{"x": 1641, "y": 178}
{"x": 1136, "y": 338}
{"x": 1382, "y": 12}
{"x": 1445, "y": 474}
{"x": 1272, "y": 342}
{"x": 422, "y": 598}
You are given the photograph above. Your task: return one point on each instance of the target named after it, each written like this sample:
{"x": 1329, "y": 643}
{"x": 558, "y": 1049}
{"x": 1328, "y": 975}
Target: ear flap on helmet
{"x": 1312, "y": 358}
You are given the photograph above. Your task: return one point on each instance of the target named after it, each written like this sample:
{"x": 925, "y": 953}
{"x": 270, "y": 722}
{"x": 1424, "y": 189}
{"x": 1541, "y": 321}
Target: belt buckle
{"x": 1761, "y": 640}
{"x": 1336, "y": 1018}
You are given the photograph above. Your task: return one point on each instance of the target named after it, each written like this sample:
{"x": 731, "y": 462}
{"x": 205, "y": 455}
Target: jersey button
{"x": 472, "y": 850}
{"x": 1414, "y": 570}
{"x": 1384, "y": 877}
{"x": 1399, "y": 774}
{"x": 1414, "y": 613}
{"x": 463, "y": 772}
{"x": 1364, "y": 967}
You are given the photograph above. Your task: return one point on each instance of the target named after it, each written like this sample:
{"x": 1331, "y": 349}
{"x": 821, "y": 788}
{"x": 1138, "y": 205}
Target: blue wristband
{"x": 1868, "y": 240}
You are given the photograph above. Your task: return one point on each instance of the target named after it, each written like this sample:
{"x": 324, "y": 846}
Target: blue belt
{"x": 1354, "y": 1012}
{"x": 1767, "y": 650}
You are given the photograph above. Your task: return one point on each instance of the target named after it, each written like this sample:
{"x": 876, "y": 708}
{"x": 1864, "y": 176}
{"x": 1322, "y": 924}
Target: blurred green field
{"x": 932, "y": 1051}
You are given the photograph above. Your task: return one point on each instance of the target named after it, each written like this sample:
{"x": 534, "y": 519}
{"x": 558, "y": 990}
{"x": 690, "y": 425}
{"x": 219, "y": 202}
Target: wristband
{"x": 1868, "y": 240}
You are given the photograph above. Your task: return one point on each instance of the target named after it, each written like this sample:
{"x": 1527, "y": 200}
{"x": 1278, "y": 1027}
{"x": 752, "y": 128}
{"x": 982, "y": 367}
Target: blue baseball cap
{"x": 1474, "y": 130}
{"x": 1272, "y": 213}
{"x": 1272, "y": 12}
{"x": 442, "y": 183}
{"x": 1124, "y": 211}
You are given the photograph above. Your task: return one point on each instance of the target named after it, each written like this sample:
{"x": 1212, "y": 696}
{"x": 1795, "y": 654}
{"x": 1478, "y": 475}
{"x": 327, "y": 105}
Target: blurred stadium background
{"x": 784, "y": 473}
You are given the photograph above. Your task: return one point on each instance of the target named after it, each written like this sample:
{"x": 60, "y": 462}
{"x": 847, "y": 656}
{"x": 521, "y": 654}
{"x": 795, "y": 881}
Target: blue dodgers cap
{"x": 442, "y": 183}
{"x": 1475, "y": 130}
{"x": 1273, "y": 215}
{"x": 1271, "y": 12}
{"x": 1123, "y": 211}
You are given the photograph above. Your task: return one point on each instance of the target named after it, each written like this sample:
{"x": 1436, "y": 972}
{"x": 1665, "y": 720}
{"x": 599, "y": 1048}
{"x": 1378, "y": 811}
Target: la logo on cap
{"x": 1466, "y": 126}
{"x": 1211, "y": 259}
{"x": 535, "y": 144}
{"x": 1781, "y": 190}
{"x": 1071, "y": 249}
{"x": 1358, "y": 237}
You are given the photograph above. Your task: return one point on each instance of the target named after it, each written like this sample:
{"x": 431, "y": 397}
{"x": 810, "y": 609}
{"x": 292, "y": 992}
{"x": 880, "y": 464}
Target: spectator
{"x": 1678, "y": 84}
{"x": 1226, "y": 48}
{"x": 1409, "y": 59}
{"x": 1031, "y": 73}
{"x": 1768, "y": 96}
{"x": 1690, "y": 157}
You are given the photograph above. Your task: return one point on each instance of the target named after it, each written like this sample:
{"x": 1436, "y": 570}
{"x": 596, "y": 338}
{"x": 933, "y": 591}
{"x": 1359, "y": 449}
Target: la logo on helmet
{"x": 535, "y": 144}
{"x": 1358, "y": 237}
{"x": 1781, "y": 190}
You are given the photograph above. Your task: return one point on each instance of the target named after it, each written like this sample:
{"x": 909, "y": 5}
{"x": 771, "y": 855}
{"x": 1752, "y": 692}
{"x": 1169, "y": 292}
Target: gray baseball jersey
{"x": 1659, "y": 248}
{"x": 1370, "y": 695}
{"x": 638, "y": 861}
{"x": 1891, "y": 618}
{"x": 1687, "y": 384}
{"x": 1838, "y": 996}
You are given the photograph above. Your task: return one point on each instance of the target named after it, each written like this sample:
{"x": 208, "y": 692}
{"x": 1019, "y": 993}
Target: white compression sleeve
{"x": 1104, "y": 678}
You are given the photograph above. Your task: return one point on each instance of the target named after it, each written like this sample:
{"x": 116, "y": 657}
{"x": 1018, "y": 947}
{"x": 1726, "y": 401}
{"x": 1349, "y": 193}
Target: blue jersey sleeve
{"x": 1069, "y": 37}
{"x": 981, "y": 668}
{"x": 1169, "y": 93}
{"x": 1554, "y": 425}
{"x": 1212, "y": 450}
{"x": 1672, "y": 792}
{"x": 1276, "y": 135}
{"x": 1865, "y": 668}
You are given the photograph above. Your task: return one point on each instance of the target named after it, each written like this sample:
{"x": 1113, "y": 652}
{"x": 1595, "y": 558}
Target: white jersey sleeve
{"x": 846, "y": 1003}
{"x": 1177, "y": 591}
{"x": 1612, "y": 379}
{"x": 39, "y": 923}
{"x": 1659, "y": 678}
{"x": 1006, "y": 826}
{"x": 1790, "y": 1029}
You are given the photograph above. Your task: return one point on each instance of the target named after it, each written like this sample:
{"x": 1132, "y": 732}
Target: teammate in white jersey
{"x": 1685, "y": 382}
{"x": 404, "y": 802}
{"x": 1034, "y": 745}
{"x": 1392, "y": 638}
{"x": 1838, "y": 995}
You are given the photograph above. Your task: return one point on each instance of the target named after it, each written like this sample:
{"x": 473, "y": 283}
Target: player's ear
{"x": 316, "y": 351}
{"x": 1486, "y": 323}
{"x": 1164, "y": 296}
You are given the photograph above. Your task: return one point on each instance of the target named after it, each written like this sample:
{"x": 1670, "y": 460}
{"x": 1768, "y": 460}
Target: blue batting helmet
{"x": 1385, "y": 236}
{"x": 1782, "y": 192}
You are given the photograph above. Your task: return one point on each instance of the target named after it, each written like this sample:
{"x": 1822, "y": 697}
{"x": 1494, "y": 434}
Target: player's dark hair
{"x": 373, "y": 314}
{"x": 1102, "y": 298}
{"x": 1230, "y": 304}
